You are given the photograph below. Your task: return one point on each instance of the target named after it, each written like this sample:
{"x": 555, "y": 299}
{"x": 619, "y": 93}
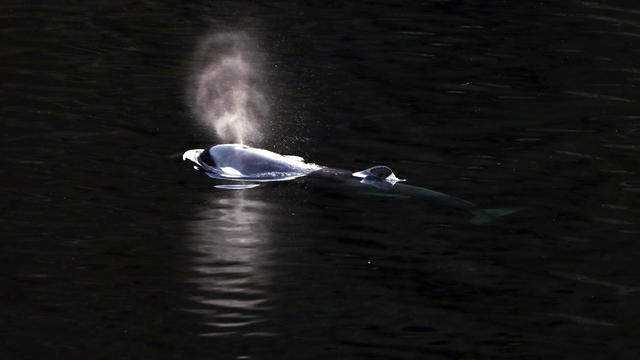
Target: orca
{"x": 252, "y": 166}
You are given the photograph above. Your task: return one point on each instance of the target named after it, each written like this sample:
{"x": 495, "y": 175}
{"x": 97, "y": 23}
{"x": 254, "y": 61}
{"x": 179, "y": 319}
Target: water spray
{"x": 227, "y": 89}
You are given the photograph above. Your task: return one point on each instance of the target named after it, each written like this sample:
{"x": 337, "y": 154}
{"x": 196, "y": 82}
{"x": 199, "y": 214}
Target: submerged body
{"x": 247, "y": 164}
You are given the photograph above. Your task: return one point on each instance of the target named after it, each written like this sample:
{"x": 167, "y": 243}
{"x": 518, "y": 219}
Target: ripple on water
{"x": 230, "y": 241}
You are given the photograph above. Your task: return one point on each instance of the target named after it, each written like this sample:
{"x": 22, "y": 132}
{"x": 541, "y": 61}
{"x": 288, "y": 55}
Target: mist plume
{"x": 227, "y": 90}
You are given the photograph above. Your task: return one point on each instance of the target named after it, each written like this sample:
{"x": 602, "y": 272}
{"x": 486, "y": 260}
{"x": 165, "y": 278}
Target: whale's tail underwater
{"x": 478, "y": 215}
{"x": 483, "y": 216}
{"x": 246, "y": 164}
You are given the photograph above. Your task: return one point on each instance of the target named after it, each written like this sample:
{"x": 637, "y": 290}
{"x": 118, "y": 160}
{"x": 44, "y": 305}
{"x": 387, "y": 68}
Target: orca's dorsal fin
{"x": 378, "y": 173}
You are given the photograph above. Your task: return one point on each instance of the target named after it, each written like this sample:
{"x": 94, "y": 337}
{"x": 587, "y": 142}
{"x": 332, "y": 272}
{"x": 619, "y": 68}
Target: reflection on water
{"x": 231, "y": 240}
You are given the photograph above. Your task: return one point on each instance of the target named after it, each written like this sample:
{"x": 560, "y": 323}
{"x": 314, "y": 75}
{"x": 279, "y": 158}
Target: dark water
{"x": 114, "y": 248}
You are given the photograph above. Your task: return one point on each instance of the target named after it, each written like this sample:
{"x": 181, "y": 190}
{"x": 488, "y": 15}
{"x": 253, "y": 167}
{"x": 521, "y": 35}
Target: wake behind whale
{"x": 252, "y": 166}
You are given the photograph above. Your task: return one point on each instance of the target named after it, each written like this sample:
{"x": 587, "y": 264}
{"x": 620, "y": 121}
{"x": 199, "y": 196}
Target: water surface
{"x": 113, "y": 247}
